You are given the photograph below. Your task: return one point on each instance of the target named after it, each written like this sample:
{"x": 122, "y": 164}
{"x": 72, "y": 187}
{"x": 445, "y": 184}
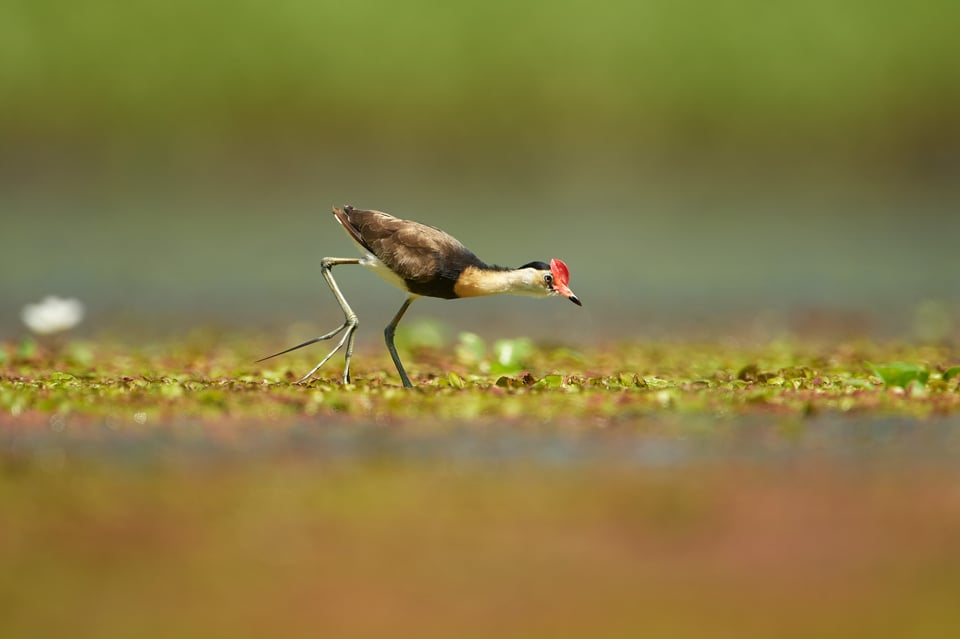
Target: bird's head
{"x": 552, "y": 279}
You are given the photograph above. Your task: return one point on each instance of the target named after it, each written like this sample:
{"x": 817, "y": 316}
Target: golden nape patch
{"x": 471, "y": 283}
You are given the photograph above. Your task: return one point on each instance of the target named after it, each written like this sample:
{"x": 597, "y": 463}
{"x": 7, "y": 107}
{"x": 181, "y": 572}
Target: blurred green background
{"x": 696, "y": 164}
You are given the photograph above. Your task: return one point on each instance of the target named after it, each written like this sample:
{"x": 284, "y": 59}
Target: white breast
{"x": 371, "y": 262}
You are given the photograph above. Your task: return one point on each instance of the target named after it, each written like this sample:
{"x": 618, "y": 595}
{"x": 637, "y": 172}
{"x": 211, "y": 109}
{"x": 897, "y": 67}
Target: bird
{"x": 423, "y": 261}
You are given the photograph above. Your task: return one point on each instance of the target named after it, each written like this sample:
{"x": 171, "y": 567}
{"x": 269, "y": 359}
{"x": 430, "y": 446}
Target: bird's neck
{"x": 475, "y": 281}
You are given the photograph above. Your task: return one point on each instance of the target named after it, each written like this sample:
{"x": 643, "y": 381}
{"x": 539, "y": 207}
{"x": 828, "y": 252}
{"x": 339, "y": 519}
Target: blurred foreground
{"x": 296, "y": 546}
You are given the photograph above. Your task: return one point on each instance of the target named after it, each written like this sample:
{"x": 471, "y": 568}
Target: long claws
{"x": 350, "y": 326}
{"x": 343, "y": 340}
{"x": 306, "y": 343}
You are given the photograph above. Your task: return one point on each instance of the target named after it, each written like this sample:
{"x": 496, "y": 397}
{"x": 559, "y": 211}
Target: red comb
{"x": 560, "y": 271}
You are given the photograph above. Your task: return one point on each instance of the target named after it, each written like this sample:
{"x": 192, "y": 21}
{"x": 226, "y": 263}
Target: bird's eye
{"x": 548, "y": 279}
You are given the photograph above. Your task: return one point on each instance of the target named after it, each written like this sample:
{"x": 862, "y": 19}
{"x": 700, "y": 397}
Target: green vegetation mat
{"x": 509, "y": 380}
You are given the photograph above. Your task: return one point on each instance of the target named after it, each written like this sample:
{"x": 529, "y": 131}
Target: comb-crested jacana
{"x": 425, "y": 262}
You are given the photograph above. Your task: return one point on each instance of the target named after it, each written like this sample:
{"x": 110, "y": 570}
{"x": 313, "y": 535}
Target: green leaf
{"x": 455, "y": 380}
{"x": 422, "y": 334}
{"x": 900, "y": 374}
{"x": 951, "y": 372}
{"x": 550, "y": 381}
{"x": 470, "y": 349}
{"x": 511, "y": 355}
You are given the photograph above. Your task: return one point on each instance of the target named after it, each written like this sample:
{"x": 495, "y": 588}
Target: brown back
{"x": 428, "y": 259}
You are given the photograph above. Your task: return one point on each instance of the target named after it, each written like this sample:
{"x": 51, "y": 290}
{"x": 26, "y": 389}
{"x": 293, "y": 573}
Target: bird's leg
{"x": 350, "y": 322}
{"x": 388, "y": 335}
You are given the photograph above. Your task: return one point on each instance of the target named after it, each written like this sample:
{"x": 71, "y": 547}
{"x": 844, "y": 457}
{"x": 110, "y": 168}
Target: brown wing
{"x": 414, "y": 251}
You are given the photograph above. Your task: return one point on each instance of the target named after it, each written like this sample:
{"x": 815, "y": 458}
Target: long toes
{"x": 329, "y": 335}
{"x": 336, "y": 348}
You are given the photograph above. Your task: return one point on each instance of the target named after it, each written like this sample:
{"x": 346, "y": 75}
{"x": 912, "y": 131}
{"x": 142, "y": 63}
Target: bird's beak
{"x": 563, "y": 289}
